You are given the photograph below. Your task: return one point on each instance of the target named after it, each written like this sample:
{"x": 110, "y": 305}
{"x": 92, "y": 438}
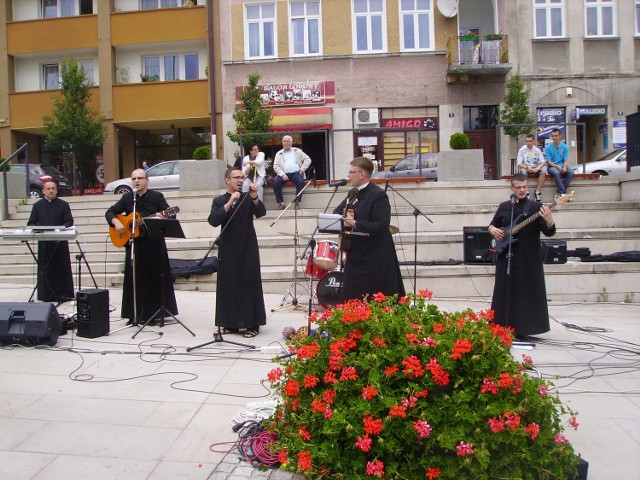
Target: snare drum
{"x": 329, "y": 289}
{"x": 326, "y": 255}
{"x": 314, "y": 270}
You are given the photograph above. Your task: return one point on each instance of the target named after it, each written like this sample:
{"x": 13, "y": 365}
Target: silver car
{"x": 614, "y": 163}
{"x": 163, "y": 176}
{"x": 409, "y": 167}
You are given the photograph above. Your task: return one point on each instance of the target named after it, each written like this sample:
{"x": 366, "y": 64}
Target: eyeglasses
{"x": 133, "y": 179}
{"x": 238, "y": 178}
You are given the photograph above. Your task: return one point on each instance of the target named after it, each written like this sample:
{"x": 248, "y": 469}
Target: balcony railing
{"x": 478, "y": 50}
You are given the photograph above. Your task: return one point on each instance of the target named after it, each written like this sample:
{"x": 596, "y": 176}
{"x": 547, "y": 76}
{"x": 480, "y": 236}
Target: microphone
{"x": 287, "y": 355}
{"x": 339, "y": 183}
{"x": 513, "y": 199}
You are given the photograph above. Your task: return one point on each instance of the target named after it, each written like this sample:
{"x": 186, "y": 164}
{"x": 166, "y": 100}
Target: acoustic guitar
{"x": 499, "y": 246}
{"x": 345, "y": 237}
{"x": 129, "y": 224}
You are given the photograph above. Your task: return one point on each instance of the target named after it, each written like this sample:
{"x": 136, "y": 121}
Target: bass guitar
{"x": 345, "y": 237}
{"x": 131, "y": 224}
{"x": 499, "y": 246}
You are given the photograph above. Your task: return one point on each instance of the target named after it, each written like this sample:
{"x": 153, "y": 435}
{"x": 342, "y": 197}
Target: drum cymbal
{"x": 393, "y": 229}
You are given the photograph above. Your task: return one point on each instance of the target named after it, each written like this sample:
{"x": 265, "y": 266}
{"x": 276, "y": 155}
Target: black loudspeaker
{"x": 93, "y": 312}
{"x": 554, "y": 251}
{"x": 476, "y": 244}
{"x": 29, "y": 323}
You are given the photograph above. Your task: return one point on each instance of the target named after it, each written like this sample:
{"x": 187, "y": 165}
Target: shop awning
{"x": 301, "y": 118}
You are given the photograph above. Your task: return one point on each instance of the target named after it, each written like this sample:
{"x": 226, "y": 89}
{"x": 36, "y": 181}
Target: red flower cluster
{"x": 432, "y": 473}
{"x": 375, "y": 468}
{"x": 464, "y": 449}
{"x": 507, "y": 381}
{"x": 439, "y": 374}
{"x": 274, "y": 375}
{"x": 310, "y": 381}
{"x": 412, "y": 367}
{"x": 308, "y": 351}
{"x": 355, "y": 311}
{"x": 422, "y": 427}
{"x": 533, "y": 429}
{"x": 378, "y": 342}
{"x": 398, "y": 411}
{"x": 391, "y": 370}
{"x": 329, "y": 396}
{"x": 461, "y": 347}
{"x": 369, "y": 392}
{"x": 372, "y": 426}
{"x": 364, "y": 443}
{"x": 304, "y": 433}
{"x": 292, "y": 388}
{"x": 349, "y": 373}
{"x": 427, "y": 294}
{"x": 379, "y": 297}
{"x": 501, "y": 332}
{"x": 304, "y": 461}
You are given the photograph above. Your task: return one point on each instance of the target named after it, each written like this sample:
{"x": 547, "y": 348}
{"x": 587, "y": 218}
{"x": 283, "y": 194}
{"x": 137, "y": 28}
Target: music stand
{"x": 163, "y": 227}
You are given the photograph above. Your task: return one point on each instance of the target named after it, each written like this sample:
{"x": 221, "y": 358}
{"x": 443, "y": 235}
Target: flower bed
{"x": 401, "y": 390}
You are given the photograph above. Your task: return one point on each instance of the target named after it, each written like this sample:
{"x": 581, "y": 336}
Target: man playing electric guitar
{"x": 150, "y": 257}
{"x": 520, "y": 297}
{"x": 372, "y": 264}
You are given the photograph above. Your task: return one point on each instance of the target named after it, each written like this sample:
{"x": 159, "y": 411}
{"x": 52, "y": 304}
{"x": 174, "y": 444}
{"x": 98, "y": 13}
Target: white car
{"x": 163, "y": 176}
{"x": 408, "y": 167}
{"x": 614, "y": 163}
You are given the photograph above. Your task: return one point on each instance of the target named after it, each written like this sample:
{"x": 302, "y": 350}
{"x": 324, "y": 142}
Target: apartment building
{"x": 147, "y": 59}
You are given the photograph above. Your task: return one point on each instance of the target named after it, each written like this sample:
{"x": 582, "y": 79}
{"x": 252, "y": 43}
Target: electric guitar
{"x": 344, "y": 242}
{"x": 499, "y": 246}
{"x": 129, "y": 224}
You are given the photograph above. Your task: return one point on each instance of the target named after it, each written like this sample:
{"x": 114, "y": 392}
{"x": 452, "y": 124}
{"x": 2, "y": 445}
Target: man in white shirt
{"x": 290, "y": 163}
{"x": 531, "y": 162}
{"x": 254, "y": 170}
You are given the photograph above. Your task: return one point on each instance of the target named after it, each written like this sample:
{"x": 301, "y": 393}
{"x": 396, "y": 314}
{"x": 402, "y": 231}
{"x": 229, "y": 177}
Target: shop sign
{"x": 551, "y": 115}
{"x": 425, "y": 123}
{"x": 619, "y": 133}
{"x": 294, "y": 93}
{"x": 590, "y": 111}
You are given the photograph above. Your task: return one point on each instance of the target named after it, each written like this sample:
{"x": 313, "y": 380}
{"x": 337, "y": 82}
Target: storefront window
{"x": 156, "y": 146}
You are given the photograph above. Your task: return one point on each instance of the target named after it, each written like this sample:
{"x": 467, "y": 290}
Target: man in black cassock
{"x": 150, "y": 254}
{"x": 239, "y": 299}
{"x": 55, "y": 280}
{"x": 372, "y": 264}
{"x": 520, "y": 300}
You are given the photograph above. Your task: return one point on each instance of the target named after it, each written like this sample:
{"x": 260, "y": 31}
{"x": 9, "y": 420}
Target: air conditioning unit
{"x": 367, "y": 116}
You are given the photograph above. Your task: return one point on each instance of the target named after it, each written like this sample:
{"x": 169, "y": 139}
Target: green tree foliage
{"x": 459, "y": 141}
{"x": 252, "y": 116}
{"x": 516, "y": 108}
{"x": 202, "y": 153}
{"x": 73, "y": 126}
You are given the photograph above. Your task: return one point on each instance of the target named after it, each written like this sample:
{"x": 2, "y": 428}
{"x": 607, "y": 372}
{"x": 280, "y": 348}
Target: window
{"x": 416, "y": 25}
{"x": 260, "y": 31}
{"x": 305, "y": 28}
{"x": 51, "y": 76}
{"x": 155, "y": 4}
{"x": 599, "y": 16}
{"x": 87, "y": 66}
{"x": 168, "y": 67}
{"x": 66, "y": 8}
{"x": 369, "y": 25}
{"x": 480, "y": 118}
{"x": 548, "y": 18}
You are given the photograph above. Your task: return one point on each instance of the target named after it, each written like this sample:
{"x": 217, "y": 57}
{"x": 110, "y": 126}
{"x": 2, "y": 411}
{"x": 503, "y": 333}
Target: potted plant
{"x": 468, "y": 44}
{"x": 459, "y": 141}
{"x": 493, "y": 36}
{"x": 202, "y": 153}
{"x": 468, "y": 37}
{"x": 395, "y": 388}
{"x": 149, "y": 78}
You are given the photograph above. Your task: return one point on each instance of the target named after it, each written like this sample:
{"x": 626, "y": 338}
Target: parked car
{"x": 40, "y": 174}
{"x": 163, "y": 176}
{"x": 614, "y": 163}
{"x": 409, "y": 167}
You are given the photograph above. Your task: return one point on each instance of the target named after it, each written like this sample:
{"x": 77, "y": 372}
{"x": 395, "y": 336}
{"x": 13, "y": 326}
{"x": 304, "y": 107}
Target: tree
{"x": 253, "y": 116}
{"x": 73, "y": 126}
{"x": 516, "y": 108}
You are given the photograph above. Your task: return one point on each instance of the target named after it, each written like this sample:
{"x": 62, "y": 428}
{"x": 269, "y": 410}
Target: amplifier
{"x": 554, "y": 251}
{"x": 29, "y": 323}
{"x": 93, "y": 312}
{"x": 476, "y": 242}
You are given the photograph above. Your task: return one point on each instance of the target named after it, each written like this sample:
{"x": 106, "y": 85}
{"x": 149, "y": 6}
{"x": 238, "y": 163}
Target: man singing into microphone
{"x": 522, "y": 293}
{"x": 372, "y": 264}
{"x": 150, "y": 254}
{"x": 239, "y": 299}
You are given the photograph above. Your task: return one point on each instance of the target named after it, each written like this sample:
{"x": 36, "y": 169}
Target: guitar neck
{"x": 527, "y": 221}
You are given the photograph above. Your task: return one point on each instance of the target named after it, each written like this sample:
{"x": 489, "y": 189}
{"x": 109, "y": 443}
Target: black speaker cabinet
{"x": 476, "y": 243}
{"x": 554, "y": 251}
{"x": 93, "y": 312}
{"x": 29, "y": 323}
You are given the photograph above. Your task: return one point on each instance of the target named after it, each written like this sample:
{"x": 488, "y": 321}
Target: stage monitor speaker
{"x": 554, "y": 251}
{"x": 93, "y": 312}
{"x": 29, "y": 323}
{"x": 476, "y": 244}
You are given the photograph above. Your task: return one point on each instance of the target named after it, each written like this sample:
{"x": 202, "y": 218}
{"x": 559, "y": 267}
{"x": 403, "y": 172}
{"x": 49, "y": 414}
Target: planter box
{"x": 202, "y": 174}
{"x": 460, "y": 165}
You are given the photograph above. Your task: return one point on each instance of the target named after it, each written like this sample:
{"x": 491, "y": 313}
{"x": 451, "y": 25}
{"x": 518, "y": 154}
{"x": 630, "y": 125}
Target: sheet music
{"x": 329, "y": 222}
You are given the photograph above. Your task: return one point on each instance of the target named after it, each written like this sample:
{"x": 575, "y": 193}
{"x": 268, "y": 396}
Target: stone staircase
{"x": 604, "y": 218}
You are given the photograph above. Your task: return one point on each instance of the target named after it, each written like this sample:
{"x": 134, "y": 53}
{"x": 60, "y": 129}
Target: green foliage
{"x": 402, "y": 390}
{"x": 7, "y": 166}
{"x": 253, "y": 116}
{"x": 516, "y": 108}
{"x": 603, "y": 297}
{"x": 459, "y": 141}
{"x": 202, "y": 153}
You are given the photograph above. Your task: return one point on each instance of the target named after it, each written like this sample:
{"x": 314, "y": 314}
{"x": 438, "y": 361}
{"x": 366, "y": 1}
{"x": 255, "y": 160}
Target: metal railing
{"x": 477, "y": 49}
{"x": 3, "y": 168}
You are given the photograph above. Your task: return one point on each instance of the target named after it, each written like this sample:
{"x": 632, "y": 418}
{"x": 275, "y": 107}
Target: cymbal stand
{"x": 292, "y": 291}
{"x": 416, "y": 212}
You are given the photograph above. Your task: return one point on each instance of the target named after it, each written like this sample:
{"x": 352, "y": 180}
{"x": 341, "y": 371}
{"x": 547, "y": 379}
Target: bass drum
{"x": 329, "y": 289}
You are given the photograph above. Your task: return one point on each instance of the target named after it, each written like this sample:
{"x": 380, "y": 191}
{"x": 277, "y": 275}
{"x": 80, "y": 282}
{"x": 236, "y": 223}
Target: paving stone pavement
{"x": 234, "y": 467}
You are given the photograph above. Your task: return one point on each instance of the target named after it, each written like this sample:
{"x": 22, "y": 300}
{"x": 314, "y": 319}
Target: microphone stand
{"x": 217, "y": 336}
{"x": 416, "y": 212}
{"x": 294, "y": 285}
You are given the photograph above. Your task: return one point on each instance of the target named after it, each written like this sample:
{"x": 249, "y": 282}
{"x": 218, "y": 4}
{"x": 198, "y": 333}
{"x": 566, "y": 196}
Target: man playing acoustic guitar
{"x": 150, "y": 253}
{"x": 520, "y": 299}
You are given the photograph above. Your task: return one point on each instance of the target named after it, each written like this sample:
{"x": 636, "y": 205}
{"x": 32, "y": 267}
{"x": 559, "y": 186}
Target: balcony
{"x": 52, "y": 35}
{"x": 474, "y": 55}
